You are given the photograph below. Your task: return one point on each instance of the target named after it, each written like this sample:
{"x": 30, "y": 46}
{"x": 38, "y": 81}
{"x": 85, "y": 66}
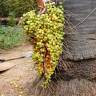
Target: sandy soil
{"x": 17, "y": 80}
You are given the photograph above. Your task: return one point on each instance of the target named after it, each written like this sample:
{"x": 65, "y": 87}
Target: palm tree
{"x": 76, "y": 70}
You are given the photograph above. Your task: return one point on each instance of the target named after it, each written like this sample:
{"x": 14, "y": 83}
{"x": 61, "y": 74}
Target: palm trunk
{"x": 79, "y": 50}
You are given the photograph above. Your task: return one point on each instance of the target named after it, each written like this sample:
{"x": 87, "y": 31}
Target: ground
{"x": 13, "y": 82}
{"x": 18, "y": 76}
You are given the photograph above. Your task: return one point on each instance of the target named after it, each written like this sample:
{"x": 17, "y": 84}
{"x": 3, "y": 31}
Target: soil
{"x": 18, "y": 74}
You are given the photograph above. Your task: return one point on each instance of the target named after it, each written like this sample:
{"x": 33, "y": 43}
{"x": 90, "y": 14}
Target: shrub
{"x": 47, "y": 33}
{"x": 12, "y": 21}
{"x": 17, "y": 6}
{"x": 10, "y": 36}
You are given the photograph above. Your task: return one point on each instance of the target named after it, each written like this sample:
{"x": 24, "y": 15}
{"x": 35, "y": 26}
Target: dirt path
{"x": 13, "y": 82}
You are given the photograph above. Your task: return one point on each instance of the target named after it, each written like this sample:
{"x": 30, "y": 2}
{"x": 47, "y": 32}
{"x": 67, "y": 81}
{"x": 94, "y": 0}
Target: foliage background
{"x": 18, "y": 7}
{"x": 11, "y": 36}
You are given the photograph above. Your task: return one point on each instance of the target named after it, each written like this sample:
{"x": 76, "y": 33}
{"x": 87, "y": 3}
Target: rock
{"x": 11, "y": 58}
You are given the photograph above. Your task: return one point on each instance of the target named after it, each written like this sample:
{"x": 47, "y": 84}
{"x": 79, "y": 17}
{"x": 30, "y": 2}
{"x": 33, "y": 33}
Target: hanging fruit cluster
{"x": 47, "y": 32}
